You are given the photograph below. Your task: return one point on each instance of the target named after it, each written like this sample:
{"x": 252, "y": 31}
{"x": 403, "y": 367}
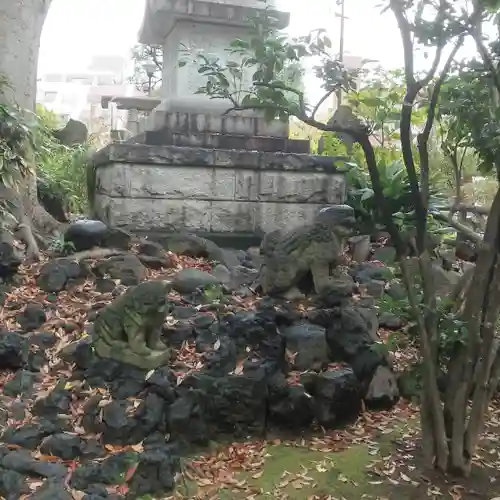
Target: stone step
{"x": 226, "y": 141}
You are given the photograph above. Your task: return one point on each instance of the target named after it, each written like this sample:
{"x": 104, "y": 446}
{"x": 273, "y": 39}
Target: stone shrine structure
{"x": 197, "y": 168}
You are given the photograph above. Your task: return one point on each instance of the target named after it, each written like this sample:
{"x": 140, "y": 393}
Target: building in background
{"x": 77, "y": 94}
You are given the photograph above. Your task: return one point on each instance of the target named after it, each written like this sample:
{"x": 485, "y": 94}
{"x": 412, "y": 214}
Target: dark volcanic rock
{"x": 163, "y": 382}
{"x": 21, "y": 461}
{"x": 222, "y": 359}
{"x": 55, "y": 402}
{"x": 155, "y": 473}
{"x": 86, "y": 234}
{"x": 80, "y": 353}
{"x": 29, "y": 436}
{"x": 186, "y": 418}
{"x": 52, "y": 201}
{"x": 10, "y": 260}
{"x": 383, "y": 391}
{"x": 55, "y": 275}
{"x": 13, "y": 350}
{"x": 127, "y": 268}
{"x": 309, "y": 342}
{"x": 32, "y": 317}
{"x": 104, "y": 285}
{"x": 123, "y": 381}
{"x": 52, "y": 490}
{"x": 43, "y": 340}
{"x": 190, "y": 279}
{"x": 22, "y": 383}
{"x": 293, "y": 411}
{"x": 12, "y": 484}
{"x": 336, "y": 396}
{"x": 63, "y": 445}
{"x": 109, "y": 471}
{"x": 235, "y": 404}
{"x": 368, "y": 271}
{"x": 350, "y": 339}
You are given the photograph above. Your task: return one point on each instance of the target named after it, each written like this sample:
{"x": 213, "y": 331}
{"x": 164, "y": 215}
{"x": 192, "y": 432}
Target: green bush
{"x": 61, "y": 169}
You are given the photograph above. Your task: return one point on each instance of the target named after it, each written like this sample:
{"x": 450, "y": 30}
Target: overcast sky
{"x": 76, "y": 30}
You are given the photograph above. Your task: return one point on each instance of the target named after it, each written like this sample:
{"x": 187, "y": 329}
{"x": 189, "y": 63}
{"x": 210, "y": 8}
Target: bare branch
{"x": 320, "y": 103}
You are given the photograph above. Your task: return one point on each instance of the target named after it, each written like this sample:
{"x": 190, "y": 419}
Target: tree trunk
{"x": 21, "y": 24}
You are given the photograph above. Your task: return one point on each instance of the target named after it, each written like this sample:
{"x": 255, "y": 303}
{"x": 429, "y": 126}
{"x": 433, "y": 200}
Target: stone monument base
{"x": 229, "y": 193}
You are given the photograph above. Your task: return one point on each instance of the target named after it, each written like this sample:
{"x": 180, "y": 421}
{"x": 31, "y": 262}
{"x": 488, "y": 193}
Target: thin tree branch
{"x": 320, "y": 102}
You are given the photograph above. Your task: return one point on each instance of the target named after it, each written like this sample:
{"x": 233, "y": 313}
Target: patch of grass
{"x": 299, "y": 472}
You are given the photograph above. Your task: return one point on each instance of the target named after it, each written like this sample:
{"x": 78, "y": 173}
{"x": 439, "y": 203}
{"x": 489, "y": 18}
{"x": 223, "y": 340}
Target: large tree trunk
{"x": 21, "y": 24}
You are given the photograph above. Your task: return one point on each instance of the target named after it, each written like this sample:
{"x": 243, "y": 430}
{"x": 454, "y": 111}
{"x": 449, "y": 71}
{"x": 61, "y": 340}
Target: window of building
{"x": 81, "y": 79}
{"x": 50, "y": 96}
{"x": 54, "y": 78}
{"x": 105, "y": 80}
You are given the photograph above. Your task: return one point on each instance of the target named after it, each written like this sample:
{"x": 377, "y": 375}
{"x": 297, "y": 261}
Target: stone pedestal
{"x": 198, "y": 169}
{"x": 197, "y": 25}
{"x": 155, "y": 189}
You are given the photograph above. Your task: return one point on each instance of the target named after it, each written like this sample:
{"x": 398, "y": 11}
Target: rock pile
{"x": 243, "y": 366}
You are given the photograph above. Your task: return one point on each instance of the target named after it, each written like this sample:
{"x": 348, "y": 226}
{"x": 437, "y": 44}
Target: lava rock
{"x": 234, "y": 404}
{"x": 87, "y": 234}
{"x": 155, "y": 473}
{"x": 153, "y": 255}
{"x": 21, "y": 461}
{"x": 189, "y": 280}
{"x": 123, "y": 381}
{"x": 13, "y": 351}
{"x": 55, "y": 275}
{"x": 12, "y": 484}
{"x": 10, "y": 260}
{"x": 186, "y": 419}
{"x": 368, "y": 271}
{"x": 390, "y": 321}
{"x": 52, "y": 201}
{"x": 338, "y": 289}
{"x": 80, "y": 353}
{"x": 387, "y": 255}
{"x": 163, "y": 382}
{"x": 43, "y": 340}
{"x": 4, "y": 291}
{"x": 309, "y": 342}
{"x": 63, "y": 445}
{"x": 108, "y": 471}
{"x": 55, "y": 402}
{"x": 29, "y": 436}
{"x": 22, "y": 383}
{"x": 52, "y": 490}
{"x": 336, "y": 396}
{"x": 127, "y": 268}
{"x": 396, "y": 290}
{"x": 32, "y": 317}
{"x": 383, "y": 392}
{"x": 118, "y": 421}
{"x": 221, "y": 360}
{"x": 350, "y": 340}
{"x": 104, "y": 285}
{"x": 177, "y": 334}
{"x": 294, "y": 411}
{"x": 374, "y": 288}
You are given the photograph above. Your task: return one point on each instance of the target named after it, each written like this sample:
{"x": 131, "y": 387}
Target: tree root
{"x": 96, "y": 253}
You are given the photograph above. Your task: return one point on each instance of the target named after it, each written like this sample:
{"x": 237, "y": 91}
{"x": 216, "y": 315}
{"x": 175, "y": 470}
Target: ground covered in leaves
{"x": 46, "y": 421}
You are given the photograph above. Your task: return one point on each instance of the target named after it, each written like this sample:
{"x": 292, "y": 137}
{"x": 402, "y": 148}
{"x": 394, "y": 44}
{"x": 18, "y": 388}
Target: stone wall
{"x": 164, "y": 188}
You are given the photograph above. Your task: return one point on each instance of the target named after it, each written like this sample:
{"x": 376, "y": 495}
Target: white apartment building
{"x": 78, "y": 95}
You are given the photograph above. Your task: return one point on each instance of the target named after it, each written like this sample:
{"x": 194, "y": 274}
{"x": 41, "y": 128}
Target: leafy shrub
{"x": 15, "y": 140}
{"x": 61, "y": 169}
